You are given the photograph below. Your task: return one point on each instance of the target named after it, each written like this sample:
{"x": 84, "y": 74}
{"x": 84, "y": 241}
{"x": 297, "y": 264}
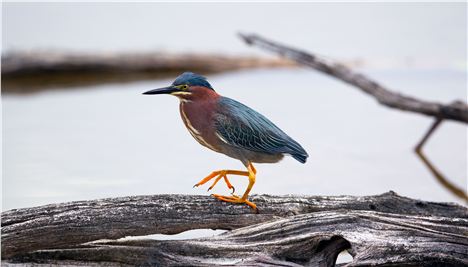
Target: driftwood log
{"x": 25, "y": 72}
{"x": 382, "y": 230}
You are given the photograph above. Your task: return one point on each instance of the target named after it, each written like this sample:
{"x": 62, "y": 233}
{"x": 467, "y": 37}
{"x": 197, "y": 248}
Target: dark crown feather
{"x": 192, "y": 79}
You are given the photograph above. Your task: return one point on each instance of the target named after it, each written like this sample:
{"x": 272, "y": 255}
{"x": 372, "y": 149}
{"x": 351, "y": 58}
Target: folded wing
{"x": 243, "y": 127}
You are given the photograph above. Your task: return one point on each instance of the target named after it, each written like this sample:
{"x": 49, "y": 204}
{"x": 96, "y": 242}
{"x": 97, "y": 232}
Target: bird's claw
{"x": 236, "y": 199}
{"x": 217, "y": 175}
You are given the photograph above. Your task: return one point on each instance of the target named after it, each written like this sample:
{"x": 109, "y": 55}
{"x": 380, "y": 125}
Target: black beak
{"x": 164, "y": 90}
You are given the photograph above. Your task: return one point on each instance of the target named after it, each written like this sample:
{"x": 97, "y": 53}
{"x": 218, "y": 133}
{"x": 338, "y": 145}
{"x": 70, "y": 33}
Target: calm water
{"x": 111, "y": 141}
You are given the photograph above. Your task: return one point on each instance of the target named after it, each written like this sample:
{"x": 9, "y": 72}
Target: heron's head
{"x": 187, "y": 86}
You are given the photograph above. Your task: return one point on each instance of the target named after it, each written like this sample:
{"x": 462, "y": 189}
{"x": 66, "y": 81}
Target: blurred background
{"x": 74, "y": 134}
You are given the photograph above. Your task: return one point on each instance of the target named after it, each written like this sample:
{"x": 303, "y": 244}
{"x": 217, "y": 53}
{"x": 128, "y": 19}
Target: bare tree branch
{"x": 457, "y": 111}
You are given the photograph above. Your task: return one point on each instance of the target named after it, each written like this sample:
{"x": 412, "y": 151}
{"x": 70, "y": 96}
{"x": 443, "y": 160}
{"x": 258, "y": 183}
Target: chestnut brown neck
{"x": 199, "y": 94}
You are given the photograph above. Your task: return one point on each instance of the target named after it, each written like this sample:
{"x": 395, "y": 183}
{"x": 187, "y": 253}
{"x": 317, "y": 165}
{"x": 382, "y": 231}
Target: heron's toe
{"x": 235, "y": 199}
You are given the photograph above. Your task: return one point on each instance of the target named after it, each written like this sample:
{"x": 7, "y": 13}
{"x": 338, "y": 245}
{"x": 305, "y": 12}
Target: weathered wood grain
{"x": 314, "y": 239}
{"x": 56, "y": 233}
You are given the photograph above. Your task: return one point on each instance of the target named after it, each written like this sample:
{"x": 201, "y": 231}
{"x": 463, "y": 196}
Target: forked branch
{"x": 457, "y": 111}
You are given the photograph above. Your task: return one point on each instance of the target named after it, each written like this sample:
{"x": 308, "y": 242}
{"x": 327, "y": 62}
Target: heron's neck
{"x": 199, "y": 94}
{"x": 198, "y": 118}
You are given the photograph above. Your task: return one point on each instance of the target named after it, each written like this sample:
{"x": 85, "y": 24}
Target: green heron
{"x": 229, "y": 127}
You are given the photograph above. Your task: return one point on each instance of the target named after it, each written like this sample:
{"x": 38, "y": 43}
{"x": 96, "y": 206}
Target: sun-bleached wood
{"x": 289, "y": 230}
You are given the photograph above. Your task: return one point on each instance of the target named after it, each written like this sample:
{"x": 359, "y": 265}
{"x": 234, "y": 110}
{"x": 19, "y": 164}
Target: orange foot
{"x": 251, "y": 173}
{"x": 235, "y": 199}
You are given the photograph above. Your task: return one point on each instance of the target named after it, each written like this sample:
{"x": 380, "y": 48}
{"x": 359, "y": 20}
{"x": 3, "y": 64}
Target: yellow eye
{"x": 184, "y": 87}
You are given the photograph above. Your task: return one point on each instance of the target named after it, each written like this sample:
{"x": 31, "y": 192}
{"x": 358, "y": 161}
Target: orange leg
{"x": 226, "y": 180}
{"x": 217, "y": 175}
{"x": 236, "y": 199}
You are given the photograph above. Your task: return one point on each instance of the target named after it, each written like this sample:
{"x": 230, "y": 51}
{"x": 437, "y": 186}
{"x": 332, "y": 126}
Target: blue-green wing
{"x": 243, "y": 127}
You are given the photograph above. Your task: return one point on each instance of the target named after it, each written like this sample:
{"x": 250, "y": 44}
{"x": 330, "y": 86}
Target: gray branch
{"x": 457, "y": 111}
{"x": 385, "y": 230}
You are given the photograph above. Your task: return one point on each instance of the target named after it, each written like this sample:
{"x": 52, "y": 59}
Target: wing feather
{"x": 243, "y": 127}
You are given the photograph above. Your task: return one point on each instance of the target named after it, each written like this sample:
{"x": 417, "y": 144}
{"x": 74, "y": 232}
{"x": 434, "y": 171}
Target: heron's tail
{"x": 297, "y": 151}
{"x": 300, "y": 157}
